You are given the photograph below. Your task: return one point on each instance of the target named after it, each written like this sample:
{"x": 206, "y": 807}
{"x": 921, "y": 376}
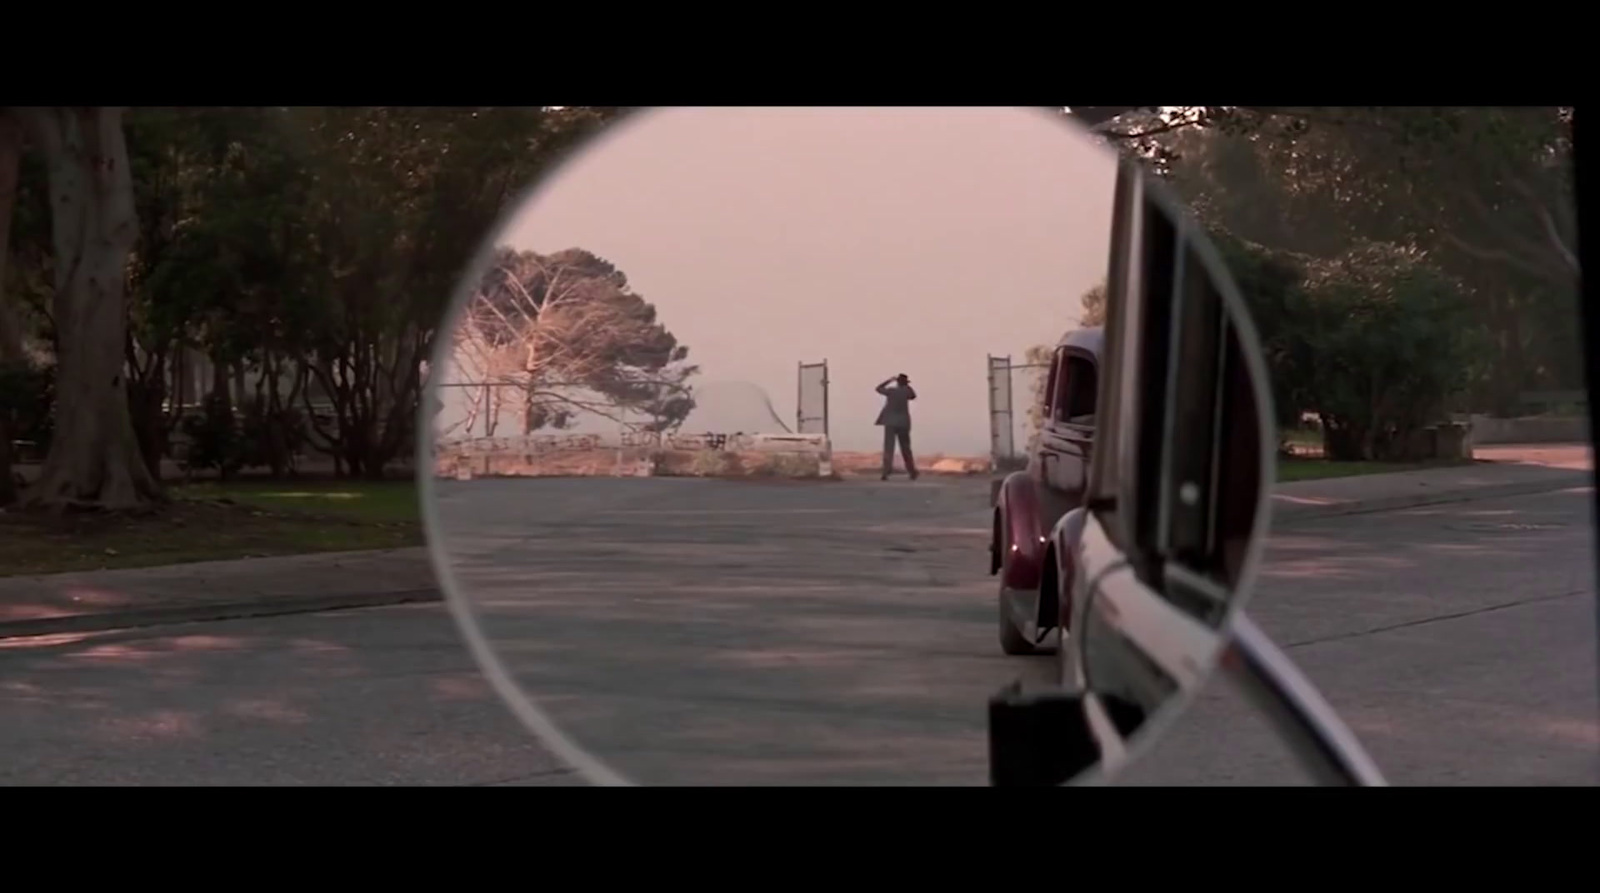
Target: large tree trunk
{"x": 10, "y": 326}
{"x": 94, "y": 459}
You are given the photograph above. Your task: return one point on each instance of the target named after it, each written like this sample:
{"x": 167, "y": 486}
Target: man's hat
{"x": 903, "y": 378}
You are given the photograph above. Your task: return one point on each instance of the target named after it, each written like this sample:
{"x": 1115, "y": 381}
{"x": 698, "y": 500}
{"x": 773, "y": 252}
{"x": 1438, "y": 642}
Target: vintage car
{"x": 1032, "y": 505}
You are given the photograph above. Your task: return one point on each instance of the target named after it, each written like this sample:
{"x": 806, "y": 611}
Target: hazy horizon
{"x": 913, "y": 240}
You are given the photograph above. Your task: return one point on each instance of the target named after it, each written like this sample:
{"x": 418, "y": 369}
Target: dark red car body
{"x": 1044, "y": 498}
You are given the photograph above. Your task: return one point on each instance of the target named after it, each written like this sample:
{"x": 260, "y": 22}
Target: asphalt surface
{"x": 848, "y": 638}
{"x": 699, "y": 632}
{"x": 1458, "y": 642}
{"x": 737, "y": 632}
{"x": 384, "y": 696}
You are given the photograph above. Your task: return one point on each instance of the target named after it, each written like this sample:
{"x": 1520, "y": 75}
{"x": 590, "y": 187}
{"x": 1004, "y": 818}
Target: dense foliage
{"x": 253, "y": 283}
{"x": 1401, "y": 262}
{"x": 295, "y": 260}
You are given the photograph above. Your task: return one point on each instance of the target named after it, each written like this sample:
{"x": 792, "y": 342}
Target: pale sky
{"x": 883, "y": 240}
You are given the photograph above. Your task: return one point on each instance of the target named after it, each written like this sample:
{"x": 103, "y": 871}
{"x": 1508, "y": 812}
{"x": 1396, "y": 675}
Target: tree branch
{"x": 1093, "y": 116}
{"x": 1165, "y": 127}
{"x": 1500, "y": 255}
{"x": 1492, "y": 222}
{"x": 1542, "y": 211}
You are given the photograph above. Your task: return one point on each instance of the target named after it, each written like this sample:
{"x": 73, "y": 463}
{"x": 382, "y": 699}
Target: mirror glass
{"x": 762, "y": 439}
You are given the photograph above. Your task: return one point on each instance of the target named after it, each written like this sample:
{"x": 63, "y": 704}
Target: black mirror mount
{"x": 1039, "y": 739}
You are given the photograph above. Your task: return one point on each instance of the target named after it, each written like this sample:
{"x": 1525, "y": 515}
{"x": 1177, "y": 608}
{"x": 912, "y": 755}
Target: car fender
{"x": 1064, "y": 538}
{"x": 1019, "y": 553}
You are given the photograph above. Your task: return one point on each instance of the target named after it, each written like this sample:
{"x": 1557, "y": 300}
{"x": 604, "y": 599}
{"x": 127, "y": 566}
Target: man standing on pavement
{"x": 895, "y": 418}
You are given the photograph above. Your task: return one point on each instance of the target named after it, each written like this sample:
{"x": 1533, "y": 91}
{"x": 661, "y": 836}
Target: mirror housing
{"x": 1176, "y": 501}
{"x": 1038, "y": 739}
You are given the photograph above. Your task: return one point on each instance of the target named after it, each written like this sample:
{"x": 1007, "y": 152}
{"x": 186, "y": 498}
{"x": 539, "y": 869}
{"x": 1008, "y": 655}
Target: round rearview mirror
{"x": 723, "y": 490}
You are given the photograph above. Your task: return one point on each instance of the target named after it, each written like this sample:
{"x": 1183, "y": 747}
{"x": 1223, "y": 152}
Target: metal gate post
{"x": 825, "y": 432}
{"x": 1011, "y": 416}
{"x": 994, "y": 439}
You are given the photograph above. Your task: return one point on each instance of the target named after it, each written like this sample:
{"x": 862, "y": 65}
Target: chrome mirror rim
{"x": 545, "y": 730}
{"x": 1304, "y": 720}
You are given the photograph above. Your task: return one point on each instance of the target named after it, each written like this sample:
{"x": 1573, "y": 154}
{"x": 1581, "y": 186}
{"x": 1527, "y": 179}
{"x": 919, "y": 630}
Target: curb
{"x": 239, "y": 610}
{"x": 1282, "y": 518}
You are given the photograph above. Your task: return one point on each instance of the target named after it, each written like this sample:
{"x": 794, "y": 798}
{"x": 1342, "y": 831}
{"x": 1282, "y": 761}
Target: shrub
{"x": 270, "y": 438}
{"x": 1393, "y": 341}
{"x": 714, "y": 463}
{"x": 214, "y": 438}
{"x": 27, "y": 402}
{"x": 1374, "y": 342}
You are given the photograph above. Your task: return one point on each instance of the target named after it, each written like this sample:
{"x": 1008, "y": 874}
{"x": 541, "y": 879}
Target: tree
{"x": 1486, "y": 192}
{"x": 399, "y": 200}
{"x": 1272, "y": 285}
{"x": 1493, "y": 182}
{"x": 12, "y": 358}
{"x": 669, "y": 402}
{"x": 311, "y": 252}
{"x": 180, "y": 298}
{"x": 308, "y": 253}
{"x": 27, "y": 373}
{"x": 1375, "y": 342}
{"x": 1094, "y": 307}
{"x": 1040, "y": 356}
{"x": 568, "y": 335}
{"x": 94, "y": 460}
{"x": 1390, "y": 335}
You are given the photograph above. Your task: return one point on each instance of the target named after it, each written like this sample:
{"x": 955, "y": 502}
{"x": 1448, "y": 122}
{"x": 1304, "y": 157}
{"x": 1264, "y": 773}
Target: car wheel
{"x": 1012, "y": 640}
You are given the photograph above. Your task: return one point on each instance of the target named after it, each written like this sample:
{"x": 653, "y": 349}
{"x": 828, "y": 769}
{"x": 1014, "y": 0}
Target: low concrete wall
{"x": 1530, "y": 429}
{"x": 741, "y": 455}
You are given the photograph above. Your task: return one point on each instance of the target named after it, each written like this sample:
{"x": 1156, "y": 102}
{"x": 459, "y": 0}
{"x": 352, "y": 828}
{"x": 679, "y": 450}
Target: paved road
{"x": 1458, "y": 640}
{"x": 377, "y": 697}
{"x": 735, "y": 632}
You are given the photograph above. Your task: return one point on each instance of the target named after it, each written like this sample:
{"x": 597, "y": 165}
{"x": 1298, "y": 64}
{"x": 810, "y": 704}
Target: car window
{"x": 1061, "y": 384}
{"x": 1078, "y": 404}
{"x": 1050, "y": 384}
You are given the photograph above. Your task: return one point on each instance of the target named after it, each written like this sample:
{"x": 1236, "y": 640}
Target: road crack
{"x": 1437, "y": 619}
